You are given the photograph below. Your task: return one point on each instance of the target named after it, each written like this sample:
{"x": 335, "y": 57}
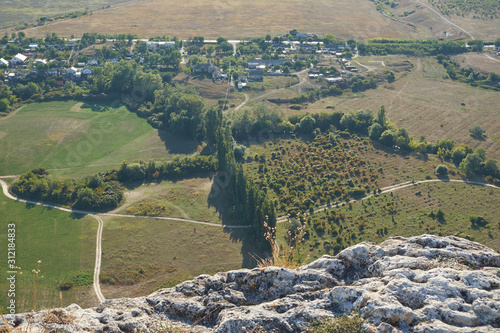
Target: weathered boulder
{"x": 418, "y": 284}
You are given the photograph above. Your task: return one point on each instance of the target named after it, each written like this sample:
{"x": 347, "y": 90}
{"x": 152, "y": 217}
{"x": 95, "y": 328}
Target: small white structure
{"x": 33, "y": 46}
{"x": 160, "y": 45}
{"x": 18, "y": 59}
{"x": 333, "y": 79}
{"x": 40, "y": 61}
{"x": 93, "y": 62}
{"x": 4, "y": 62}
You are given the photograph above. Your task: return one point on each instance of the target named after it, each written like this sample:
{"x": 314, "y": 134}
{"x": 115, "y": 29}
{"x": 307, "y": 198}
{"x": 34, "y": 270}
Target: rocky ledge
{"x": 418, "y": 284}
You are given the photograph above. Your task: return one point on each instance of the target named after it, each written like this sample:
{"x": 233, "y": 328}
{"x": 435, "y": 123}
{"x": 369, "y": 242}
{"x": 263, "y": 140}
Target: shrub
{"x": 442, "y": 170}
{"x": 342, "y": 324}
{"x": 477, "y": 131}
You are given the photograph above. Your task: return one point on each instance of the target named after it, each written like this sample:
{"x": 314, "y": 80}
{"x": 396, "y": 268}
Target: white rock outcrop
{"x": 418, "y": 284}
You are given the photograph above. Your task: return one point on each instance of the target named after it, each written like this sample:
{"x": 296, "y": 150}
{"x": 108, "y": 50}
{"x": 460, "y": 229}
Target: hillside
{"x": 418, "y": 284}
{"x": 359, "y": 19}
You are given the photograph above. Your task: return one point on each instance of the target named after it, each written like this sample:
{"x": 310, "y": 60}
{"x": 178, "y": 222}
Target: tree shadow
{"x": 218, "y": 198}
{"x": 478, "y": 138}
{"x": 443, "y": 178}
{"x": 30, "y": 205}
{"x": 249, "y": 250}
{"x": 95, "y": 107}
{"x": 175, "y": 144}
{"x": 77, "y": 216}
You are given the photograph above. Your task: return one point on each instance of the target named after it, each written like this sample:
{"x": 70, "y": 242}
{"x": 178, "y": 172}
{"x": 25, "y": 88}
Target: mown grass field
{"x": 66, "y": 246}
{"x": 140, "y": 255}
{"x": 405, "y": 212}
{"x": 72, "y": 139}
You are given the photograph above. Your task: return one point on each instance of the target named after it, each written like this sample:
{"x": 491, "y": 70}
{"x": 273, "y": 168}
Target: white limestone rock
{"x": 417, "y": 284}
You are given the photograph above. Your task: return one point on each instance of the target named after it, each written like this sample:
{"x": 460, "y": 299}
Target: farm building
{"x": 256, "y": 75}
{"x": 18, "y": 59}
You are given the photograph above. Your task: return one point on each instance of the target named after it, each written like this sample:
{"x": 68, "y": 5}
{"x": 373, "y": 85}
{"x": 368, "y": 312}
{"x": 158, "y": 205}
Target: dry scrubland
{"x": 374, "y": 219}
{"x": 16, "y": 12}
{"x": 424, "y": 103}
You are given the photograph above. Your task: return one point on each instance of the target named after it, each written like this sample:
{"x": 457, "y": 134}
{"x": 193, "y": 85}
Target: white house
{"x": 87, "y": 71}
{"x": 4, "y": 62}
{"x": 93, "y": 62}
{"x": 33, "y": 46}
{"x": 18, "y": 59}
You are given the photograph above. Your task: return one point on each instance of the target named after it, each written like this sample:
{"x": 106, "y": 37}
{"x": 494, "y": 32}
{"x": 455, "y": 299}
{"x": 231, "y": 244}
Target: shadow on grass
{"x": 95, "y": 107}
{"x": 175, "y": 144}
{"x": 478, "y": 138}
{"x": 77, "y": 216}
{"x": 218, "y": 198}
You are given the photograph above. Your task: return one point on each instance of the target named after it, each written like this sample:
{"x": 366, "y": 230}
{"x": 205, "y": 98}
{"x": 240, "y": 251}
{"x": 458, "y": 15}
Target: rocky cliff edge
{"x": 418, "y": 284}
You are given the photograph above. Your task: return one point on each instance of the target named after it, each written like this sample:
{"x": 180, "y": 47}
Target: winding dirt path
{"x": 98, "y": 254}
{"x": 408, "y": 80}
{"x": 247, "y": 98}
{"x": 444, "y": 18}
{"x": 97, "y": 268}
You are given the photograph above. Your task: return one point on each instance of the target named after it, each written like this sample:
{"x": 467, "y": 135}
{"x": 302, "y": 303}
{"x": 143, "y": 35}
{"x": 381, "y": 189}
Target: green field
{"x": 185, "y": 199}
{"x": 73, "y": 139}
{"x": 405, "y": 212}
{"x": 66, "y": 246}
{"x": 139, "y": 255}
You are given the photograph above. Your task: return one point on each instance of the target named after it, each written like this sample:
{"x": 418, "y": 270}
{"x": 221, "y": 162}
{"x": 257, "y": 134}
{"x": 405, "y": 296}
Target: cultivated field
{"x": 345, "y": 19}
{"x": 73, "y": 139}
{"x": 140, "y": 255}
{"x": 233, "y": 19}
{"x": 64, "y": 243}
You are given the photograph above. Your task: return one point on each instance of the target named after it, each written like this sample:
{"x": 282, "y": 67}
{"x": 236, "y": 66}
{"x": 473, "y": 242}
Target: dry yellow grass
{"x": 427, "y": 105}
{"x": 232, "y": 19}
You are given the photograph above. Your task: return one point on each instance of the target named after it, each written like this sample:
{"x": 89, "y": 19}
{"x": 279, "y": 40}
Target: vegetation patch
{"x": 342, "y": 324}
{"x": 146, "y": 209}
{"x": 478, "y": 9}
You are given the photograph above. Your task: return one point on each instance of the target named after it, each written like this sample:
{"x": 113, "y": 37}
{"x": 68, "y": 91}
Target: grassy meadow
{"x": 187, "y": 199}
{"x": 65, "y": 244}
{"x": 140, "y": 255}
{"x": 72, "y": 139}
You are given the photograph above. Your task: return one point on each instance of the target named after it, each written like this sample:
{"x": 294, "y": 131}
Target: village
{"x": 56, "y": 61}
